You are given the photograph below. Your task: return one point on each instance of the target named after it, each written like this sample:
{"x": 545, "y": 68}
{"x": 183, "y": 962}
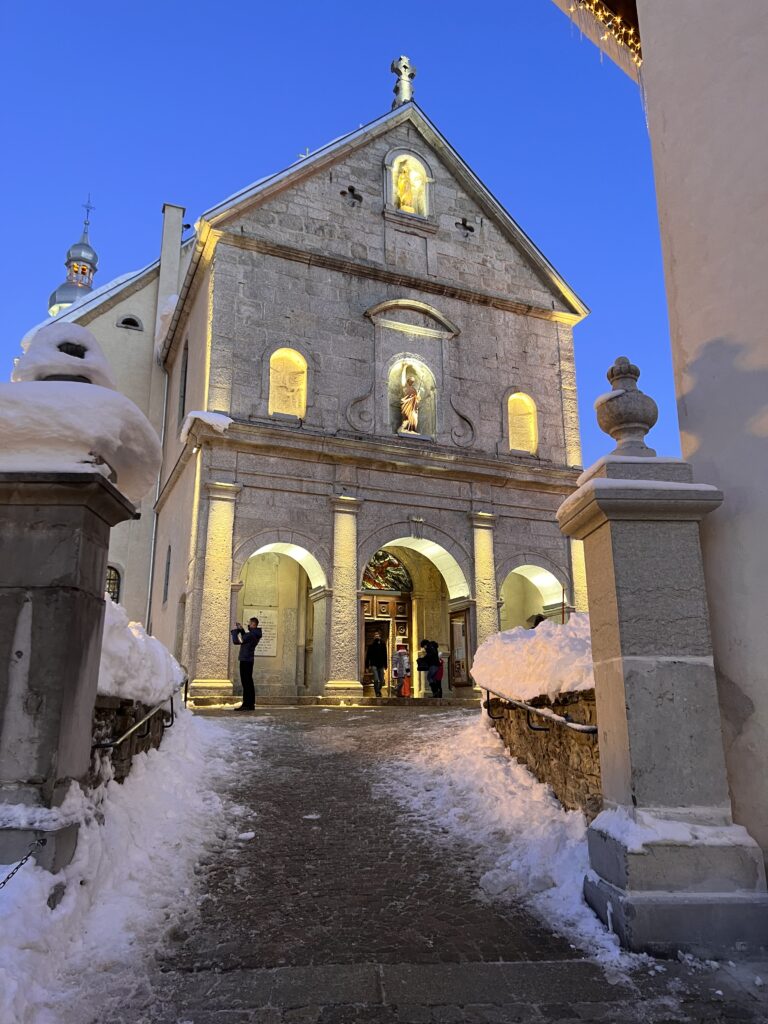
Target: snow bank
{"x": 464, "y": 782}
{"x": 217, "y": 420}
{"x": 134, "y": 665}
{"x": 128, "y": 876}
{"x": 525, "y": 663}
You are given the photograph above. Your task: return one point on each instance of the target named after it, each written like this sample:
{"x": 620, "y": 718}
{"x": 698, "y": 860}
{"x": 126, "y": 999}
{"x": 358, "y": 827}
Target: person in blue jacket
{"x": 247, "y": 641}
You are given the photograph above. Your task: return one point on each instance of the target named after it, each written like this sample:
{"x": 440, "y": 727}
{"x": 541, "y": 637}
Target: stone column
{"x": 344, "y": 664}
{"x": 53, "y": 552}
{"x": 486, "y": 598}
{"x": 213, "y": 639}
{"x": 671, "y": 870}
{"x": 321, "y": 600}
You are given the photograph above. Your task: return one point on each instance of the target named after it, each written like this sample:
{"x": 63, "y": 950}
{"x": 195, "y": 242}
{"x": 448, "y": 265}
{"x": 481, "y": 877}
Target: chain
{"x": 23, "y": 861}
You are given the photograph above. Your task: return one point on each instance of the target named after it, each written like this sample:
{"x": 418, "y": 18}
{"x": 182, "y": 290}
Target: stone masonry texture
{"x": 566, "y": 760}
{"x": 343, "y": 910}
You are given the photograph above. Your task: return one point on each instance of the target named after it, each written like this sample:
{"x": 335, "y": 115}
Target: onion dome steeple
{"x": 81, "y": 263}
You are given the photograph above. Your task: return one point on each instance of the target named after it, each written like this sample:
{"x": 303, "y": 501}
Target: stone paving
{"x": 341, "y": 910}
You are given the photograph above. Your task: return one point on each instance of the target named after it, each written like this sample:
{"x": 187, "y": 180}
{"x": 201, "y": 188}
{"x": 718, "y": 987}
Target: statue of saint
{"x": 410, "y": 187}
{"x": 409, "y": 407}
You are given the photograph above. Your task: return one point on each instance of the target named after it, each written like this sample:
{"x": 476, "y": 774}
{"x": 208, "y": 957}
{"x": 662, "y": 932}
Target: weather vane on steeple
{"x": 403, "y": 89}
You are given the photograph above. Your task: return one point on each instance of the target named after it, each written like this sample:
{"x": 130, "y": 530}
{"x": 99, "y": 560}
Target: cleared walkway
{"x": 343, "y": 909}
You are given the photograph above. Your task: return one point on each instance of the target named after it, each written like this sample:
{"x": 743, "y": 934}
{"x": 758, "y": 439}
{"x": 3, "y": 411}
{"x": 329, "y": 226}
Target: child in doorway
{"x": 401, "y": 667}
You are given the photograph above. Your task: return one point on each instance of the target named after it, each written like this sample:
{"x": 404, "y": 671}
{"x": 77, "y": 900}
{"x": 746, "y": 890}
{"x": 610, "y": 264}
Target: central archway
{"x": 421, "y": 593}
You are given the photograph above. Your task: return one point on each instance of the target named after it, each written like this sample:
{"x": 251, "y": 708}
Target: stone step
{"x": 520, "y": 985}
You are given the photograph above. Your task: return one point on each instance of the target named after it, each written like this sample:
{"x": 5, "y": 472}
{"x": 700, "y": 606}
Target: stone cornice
{"x": 600, "y": 500}
{"x": 399, "y": 280}
{"x": 445, "y": 462}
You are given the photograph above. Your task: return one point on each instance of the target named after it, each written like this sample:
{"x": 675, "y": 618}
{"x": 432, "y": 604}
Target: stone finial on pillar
{"x": 669, "y": 868}
{"x": 625, "y": 412}
{"x": 403, "y": 89}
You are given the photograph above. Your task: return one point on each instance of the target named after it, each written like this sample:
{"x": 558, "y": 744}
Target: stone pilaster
{"x": 670, "y": 869}
{"x": 486, "y": 597}
{"x": 344, "y": 662}
{"x": 212, "y": 656}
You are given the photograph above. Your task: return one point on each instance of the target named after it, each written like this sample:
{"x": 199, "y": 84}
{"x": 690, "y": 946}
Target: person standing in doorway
{"x": 247, "y": 641}
{"x": 376, "y": 661}
{"x": 401, "y": 668}
{"x": 431, "y": 661}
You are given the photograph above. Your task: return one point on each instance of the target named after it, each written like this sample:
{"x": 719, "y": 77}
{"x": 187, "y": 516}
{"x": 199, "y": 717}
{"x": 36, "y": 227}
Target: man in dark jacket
{"x": 376, "y": 661}
{"x": 247, "y": 641}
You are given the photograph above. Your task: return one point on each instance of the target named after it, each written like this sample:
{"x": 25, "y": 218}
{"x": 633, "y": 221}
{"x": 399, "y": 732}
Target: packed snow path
{"x": 337, "y": 904}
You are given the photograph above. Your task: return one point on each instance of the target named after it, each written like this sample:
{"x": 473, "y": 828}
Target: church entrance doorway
{"x": 530, "y": 591}
{"x": 284, "y": 587}
{"x": 412, "y": 590}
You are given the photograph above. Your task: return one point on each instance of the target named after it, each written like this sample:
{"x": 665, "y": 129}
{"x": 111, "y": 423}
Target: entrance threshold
{"x": 423, "y": 703}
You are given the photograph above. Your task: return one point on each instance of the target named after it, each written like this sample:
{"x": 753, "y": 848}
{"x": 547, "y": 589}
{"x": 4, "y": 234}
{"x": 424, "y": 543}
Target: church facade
{"x": 362, "y": 370}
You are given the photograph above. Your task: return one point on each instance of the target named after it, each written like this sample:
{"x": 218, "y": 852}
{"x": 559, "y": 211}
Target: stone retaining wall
{"x": 112, "y": 716}
{"x": 566, "y": 760}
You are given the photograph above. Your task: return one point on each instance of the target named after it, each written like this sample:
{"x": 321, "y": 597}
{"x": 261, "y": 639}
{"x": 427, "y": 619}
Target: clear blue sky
{"x": 186, "y": 102}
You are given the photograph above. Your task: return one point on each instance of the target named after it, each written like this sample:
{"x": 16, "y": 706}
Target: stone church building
{"x": 362, "y": 372}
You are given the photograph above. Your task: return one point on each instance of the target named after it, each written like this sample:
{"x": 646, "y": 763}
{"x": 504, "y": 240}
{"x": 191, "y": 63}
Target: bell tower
{"x": 82, "y": 262}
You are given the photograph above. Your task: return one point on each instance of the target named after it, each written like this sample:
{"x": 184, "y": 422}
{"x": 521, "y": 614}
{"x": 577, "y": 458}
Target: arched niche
{"x": 528, "y": 591}
{"x": 287, "y": 383}
{"x": 409, "y": 183}
{"x": 408, "y": 374}
{"x": 522, "y": 423}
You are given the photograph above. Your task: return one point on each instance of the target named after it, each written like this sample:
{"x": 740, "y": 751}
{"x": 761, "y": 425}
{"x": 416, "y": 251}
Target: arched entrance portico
{"x": 529, "y": 590}
{"x": 284, "y": 585}
{"x": 414, "y": 588}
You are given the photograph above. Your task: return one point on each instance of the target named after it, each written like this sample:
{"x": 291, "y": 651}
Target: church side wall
{"x": 194, "y": 332}
{"x": 131, "y": 356}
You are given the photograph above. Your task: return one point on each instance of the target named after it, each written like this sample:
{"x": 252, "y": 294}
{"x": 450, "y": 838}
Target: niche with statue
{"x": 412, "y": 397}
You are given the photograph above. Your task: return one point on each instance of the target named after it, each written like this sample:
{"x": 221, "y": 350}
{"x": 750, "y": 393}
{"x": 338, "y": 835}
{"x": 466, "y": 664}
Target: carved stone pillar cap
{"x": 483, "y": 519}
{"x": 625, "y": 413}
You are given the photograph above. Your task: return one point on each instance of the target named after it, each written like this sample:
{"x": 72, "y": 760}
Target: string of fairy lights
{"x": 613, "y": 27}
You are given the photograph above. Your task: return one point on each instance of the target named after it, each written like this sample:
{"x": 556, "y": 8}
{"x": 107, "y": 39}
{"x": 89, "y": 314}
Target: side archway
{"x": 527, "y": 592}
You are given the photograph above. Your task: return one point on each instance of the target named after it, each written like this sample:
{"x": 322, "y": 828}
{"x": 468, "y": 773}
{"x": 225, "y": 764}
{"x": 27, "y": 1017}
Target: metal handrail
{"x": 544, "y": 712}
{"x": 110, "y": 744}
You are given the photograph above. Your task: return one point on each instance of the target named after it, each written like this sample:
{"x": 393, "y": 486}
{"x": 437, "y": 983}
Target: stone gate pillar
{"x": 344, "y": 663}
{"x": 671, "y": 870}
{"x": 213, "y": 639}
{"x": 53, "y": 553}
{"x": 486, "y": 597}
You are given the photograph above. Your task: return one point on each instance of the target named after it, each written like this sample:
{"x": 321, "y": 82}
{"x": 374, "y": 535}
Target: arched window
{"x": 131, "y": 323}
{"x": 409, "y": 185}
{"x": 113, "y": 583}
{"x": 523, "y": 423}
{"x": 288, "y": 383}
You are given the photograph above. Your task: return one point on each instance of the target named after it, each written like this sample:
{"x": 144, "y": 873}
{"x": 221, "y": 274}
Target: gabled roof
{"x": 354, "y": 140}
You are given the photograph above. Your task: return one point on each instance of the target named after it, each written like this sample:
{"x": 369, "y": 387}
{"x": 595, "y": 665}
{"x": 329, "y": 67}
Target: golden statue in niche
{"x": 410, "y": 181}
{"x": 409, "y": 407}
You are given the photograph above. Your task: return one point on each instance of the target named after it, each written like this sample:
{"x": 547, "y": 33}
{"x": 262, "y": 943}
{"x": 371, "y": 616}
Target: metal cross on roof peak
{"x": 88, "y": 206}
{"x": 406, "y": 73}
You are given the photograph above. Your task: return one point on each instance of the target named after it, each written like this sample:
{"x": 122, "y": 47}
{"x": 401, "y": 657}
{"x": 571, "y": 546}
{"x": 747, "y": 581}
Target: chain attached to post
{"x": 38, "y": 842}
